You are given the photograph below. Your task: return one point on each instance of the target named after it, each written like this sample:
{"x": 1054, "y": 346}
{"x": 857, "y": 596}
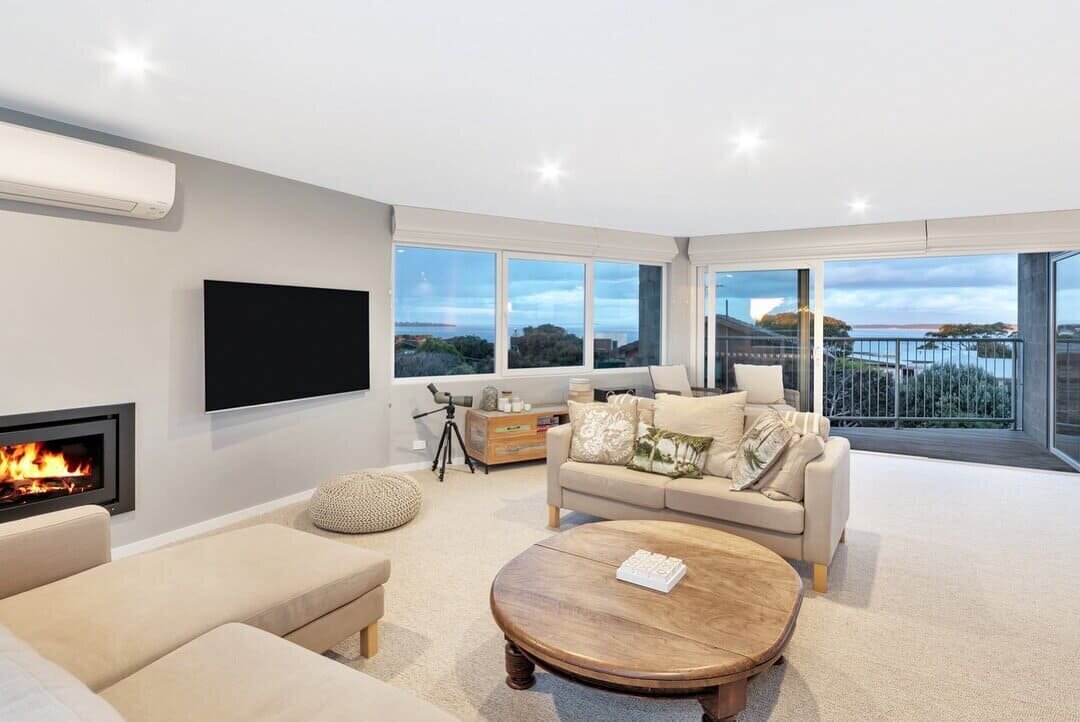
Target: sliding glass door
{"x": 760, "y": 317}
{"x": 1065, "y": 380}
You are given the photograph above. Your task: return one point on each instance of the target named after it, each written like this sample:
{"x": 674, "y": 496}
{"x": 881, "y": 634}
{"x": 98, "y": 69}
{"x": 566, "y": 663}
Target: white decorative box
{"x": 654, "y": 571}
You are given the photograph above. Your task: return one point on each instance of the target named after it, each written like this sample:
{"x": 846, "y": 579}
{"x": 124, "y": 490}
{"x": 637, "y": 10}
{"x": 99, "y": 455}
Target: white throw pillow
{"x": 720, "y": 417}
{"x": 762, "y": 384}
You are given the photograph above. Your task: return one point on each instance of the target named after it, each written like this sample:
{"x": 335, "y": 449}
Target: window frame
{"x": 502, "y": 329}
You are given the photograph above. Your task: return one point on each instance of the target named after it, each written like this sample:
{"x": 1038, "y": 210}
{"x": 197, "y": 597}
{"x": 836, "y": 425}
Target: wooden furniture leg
{"x": 369, "y": 640}
{"x": 519, "y": 668}
{"x": 725, "y": 703}
{"x": 821, "y": 578}
{"x": 843, "y": 536}
{"x": 553, "y": 516}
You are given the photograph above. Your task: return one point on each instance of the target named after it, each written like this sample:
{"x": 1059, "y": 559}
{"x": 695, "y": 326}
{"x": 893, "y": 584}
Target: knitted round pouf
{"x": 365, "y": 501}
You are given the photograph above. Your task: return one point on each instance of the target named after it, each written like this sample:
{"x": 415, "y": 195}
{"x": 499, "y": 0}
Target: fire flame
{"x": 31, "y": 461}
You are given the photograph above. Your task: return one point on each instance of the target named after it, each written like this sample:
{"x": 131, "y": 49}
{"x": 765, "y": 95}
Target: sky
{"x": 458, "y": 287}
{"x": 928, "y": 291}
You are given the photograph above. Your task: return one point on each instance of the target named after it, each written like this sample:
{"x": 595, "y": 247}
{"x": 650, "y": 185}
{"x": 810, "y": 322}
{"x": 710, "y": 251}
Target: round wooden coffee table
{"x": 559, "y": 605}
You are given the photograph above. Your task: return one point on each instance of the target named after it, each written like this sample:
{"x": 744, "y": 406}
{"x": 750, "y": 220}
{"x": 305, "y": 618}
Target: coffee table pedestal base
{"x": 519, "y": 668}
{"x": 724, "y": 703}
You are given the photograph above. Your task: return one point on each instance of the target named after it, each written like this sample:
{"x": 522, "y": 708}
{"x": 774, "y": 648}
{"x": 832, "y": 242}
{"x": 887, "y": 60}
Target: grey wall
{"x": 101, "y": 310}
{"x": 1033, "y": 320}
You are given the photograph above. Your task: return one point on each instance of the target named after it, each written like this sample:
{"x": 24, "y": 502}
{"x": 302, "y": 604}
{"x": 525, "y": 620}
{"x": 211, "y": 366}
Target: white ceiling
{"x": 928, "y": 109}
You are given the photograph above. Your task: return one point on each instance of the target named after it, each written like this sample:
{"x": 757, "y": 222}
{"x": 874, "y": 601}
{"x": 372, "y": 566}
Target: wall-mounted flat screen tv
{"x": 266, "y": 344}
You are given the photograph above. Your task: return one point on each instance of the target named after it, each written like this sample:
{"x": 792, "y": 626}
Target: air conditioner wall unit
{"x": 40, "y": 167}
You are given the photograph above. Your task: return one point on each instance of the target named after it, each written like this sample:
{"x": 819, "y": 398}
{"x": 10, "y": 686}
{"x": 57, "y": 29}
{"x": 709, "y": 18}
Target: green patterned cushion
{"x": 669, "y": 453}
{"x": 760, "y": 447}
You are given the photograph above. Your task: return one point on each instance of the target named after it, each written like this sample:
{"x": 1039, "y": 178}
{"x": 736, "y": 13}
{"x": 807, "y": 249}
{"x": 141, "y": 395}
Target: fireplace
{"x": 59, "y": 459}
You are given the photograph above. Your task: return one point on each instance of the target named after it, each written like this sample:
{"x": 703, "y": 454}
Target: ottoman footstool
{"x": 366, "y": 501}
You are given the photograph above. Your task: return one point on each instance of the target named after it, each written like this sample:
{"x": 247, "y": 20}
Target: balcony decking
{"x": 1003, "y": 447}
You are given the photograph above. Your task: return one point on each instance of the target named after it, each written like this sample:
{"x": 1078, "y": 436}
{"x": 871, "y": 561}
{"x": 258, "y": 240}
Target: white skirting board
{"x": 202, "y": 527}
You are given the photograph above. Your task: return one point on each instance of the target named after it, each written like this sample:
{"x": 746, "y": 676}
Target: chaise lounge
{"x": 197, "y": 623}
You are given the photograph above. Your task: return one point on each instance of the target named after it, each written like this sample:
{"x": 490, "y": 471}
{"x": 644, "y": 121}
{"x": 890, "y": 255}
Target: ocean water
{"x": 621, "y": 335}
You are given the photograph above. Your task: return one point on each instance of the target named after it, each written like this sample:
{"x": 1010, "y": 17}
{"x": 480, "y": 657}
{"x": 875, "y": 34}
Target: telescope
{"x": 450, "y": 429}
{"x": 443, "y": 397}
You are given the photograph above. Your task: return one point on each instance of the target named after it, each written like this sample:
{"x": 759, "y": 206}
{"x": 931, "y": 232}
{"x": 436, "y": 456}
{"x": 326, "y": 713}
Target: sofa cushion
{"x": 107, "y": 622}
{"x": 614, "y": 482}
{"x": 714, "y": 498}
{"x": 33, "y": 689}
{"x": 720, "y": 417}
{"x": 803, "y": 422}
{"x": 763, "y": 384}
{"x": 602, "y": 433}
{"x": 787, "y": 479}
{"x": 761, "y": 447}
{"x": 237, "y": 672}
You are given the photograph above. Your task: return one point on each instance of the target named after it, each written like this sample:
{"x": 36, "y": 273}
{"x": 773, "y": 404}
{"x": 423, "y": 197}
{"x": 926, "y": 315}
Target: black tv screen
{"x": 265, "y": 344}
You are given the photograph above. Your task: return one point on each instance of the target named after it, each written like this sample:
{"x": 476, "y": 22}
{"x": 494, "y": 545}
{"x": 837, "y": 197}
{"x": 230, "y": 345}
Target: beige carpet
{"x": 957, "y": 597}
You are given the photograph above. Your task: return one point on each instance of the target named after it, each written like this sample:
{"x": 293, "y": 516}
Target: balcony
{"x": 953, "y": 398}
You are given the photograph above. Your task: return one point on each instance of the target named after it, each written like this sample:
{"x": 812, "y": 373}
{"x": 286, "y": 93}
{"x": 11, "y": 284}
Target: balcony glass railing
{"x": 897, "y": 381}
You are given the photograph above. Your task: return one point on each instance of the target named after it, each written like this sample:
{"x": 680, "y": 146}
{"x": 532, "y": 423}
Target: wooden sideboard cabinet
{"x": 494, "y": 437}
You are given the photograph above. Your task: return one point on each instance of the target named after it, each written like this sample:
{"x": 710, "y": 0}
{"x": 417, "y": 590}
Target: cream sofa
{"x": 194, "y": 631}
{"x": 810, "y": 530}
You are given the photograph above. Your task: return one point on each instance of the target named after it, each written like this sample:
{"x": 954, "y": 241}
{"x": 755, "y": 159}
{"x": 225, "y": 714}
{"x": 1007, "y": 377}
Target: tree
{"x": 474, "y": 349}
{"x": 854, "y": 388}
{"x": 787, "y": 323}
{"x": 438, "y": 345}
{"x": 545, "y": 345}
{"x": 430, "y": 363}
{"x": 945, "y": 391}
{"x": 983, "y": 348}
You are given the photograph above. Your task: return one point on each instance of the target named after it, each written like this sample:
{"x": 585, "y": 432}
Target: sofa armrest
{"x": 826, "y": 499}
{"x": 42, "y": 549}
{"x": 558, "y": 451}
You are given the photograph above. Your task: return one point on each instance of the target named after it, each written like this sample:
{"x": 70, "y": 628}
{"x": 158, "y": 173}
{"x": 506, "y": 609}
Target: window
{"x": 460, "y": 312}
{"x": 628, "y": 307}
{"x": 545, "y": 313}
{"x": 444, "y": 312}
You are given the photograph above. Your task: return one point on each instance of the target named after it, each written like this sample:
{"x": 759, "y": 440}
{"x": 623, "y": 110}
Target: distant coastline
{"x": 411, "y": 324}
{"x": 906, "y": 326}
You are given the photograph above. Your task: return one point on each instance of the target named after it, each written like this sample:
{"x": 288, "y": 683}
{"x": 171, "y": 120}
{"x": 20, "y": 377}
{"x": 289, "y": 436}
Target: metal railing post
{"x": 896, "y": 386}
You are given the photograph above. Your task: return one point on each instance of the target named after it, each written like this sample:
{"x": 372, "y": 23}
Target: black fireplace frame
{"x": 116, "y": 423}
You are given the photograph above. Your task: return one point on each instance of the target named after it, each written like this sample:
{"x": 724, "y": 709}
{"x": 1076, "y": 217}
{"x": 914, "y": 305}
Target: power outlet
{"x": 419, "y": 445}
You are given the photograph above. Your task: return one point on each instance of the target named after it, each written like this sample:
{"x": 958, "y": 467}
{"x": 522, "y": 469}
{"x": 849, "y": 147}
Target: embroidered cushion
{"x": 760, "y": 447}
{"x": 645, "y": 407}
{"x": 602, "y": 433}
{"x": 670, "y": 453}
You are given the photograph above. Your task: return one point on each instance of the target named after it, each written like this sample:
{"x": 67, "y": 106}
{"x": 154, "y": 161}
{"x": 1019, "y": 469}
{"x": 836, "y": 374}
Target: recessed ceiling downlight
{"x": 746, "y": 142}
{"x": 130, "y": 63}
{"x": 858, "y": 205}
{"x": 550, "y": 172}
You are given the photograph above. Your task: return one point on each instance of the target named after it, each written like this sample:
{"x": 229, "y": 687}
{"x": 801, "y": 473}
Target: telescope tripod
{"x": 446, "y": 442}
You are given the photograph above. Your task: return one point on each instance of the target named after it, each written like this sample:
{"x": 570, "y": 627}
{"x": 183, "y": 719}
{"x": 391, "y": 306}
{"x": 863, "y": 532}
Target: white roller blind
{"x": 473, "y": 230}
{"x": 877, "y": 240}
{"x": 1011, "y": 233}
